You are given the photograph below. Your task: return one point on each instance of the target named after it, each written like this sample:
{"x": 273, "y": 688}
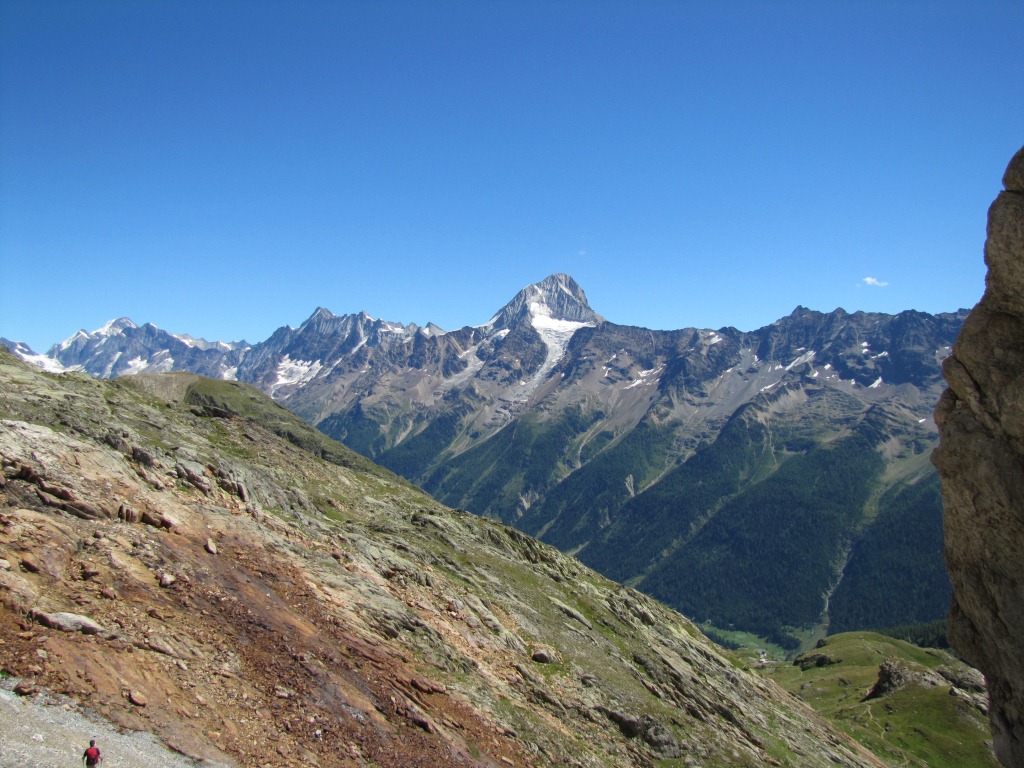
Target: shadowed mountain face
{"x": 185, "y": 557}
{"x": 759, "y": 480}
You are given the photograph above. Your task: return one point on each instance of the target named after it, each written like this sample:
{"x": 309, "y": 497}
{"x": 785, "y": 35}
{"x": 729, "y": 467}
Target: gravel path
{"x": 52, "y": 732}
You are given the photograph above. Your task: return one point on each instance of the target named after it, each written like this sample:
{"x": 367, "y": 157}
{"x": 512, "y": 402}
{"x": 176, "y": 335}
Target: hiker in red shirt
{"x": 92, "y": 755}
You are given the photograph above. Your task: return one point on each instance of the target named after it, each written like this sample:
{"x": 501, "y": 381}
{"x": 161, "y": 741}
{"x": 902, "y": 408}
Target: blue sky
{"x": 222, "y": 168}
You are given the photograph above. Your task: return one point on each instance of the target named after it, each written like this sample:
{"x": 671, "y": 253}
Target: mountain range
{"x": 193, "y": 575}
{"x": 774, "y": 481}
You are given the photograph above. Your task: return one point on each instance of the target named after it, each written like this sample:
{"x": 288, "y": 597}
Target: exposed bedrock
{"x": 981, "y": 462}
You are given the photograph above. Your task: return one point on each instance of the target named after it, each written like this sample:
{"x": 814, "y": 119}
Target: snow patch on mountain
{"x": 473, "y": 364}
{"x": 555, "y": 334}
{"x": 45, "y": 362}
{"x": 295, "y": 372}
{"x": 161, "y": 362}
{"x": 650, "y": 376}
{"x": 357, "y": 347}
{"x": 806, "y": 357}
{"x": 136, "y": 365}
{"x": 432, "y": 330}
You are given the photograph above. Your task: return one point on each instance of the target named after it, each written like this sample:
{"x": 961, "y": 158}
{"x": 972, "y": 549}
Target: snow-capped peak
{"x": 70, "y": 340}
{"x": 114, "y": 327}
{"x": 321, "y": 313}
{"x": 557, "y": 297}
{"x": 430, "y": 329}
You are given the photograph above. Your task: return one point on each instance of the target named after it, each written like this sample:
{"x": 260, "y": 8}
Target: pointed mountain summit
{"x": 115, "y": 327}
{"x": 557, "y": 297}
{"x": 320, "y": 315}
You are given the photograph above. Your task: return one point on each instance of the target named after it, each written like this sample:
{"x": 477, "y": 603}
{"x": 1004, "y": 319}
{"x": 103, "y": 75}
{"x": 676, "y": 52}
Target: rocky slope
{"x": 648, "y": 454}
{"x": 981, "y": 462}
{"x": 184, "y": 557}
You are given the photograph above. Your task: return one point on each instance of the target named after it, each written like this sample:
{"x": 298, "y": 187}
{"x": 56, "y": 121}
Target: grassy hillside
{"x": 930, "y": 711}
{"x": 224, "y": 398}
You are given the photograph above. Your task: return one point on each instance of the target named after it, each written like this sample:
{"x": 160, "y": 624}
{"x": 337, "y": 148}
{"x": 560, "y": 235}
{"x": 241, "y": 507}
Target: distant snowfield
{"x": 650, "y": 376}
{"x": 136, "y": 365}
{"x": 555, "y": 334}
{"x": 48, "y": 364}
{"x": 295, "y": 372}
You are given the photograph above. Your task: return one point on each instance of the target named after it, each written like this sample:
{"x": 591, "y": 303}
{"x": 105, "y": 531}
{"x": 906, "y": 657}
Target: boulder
{"x": 68, "y": 622}
{"x": 16, "y": 592}
{"x": 811, "y": 660}
{"x": 545, "y": 656}
{"x": 981, "y": 464}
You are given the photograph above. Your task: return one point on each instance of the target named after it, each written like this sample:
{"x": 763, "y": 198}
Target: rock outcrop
{"x": 981, "y": 463}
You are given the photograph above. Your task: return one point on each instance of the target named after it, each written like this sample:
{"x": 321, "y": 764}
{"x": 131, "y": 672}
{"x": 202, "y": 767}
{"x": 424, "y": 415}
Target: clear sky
{"x": 221, "y": 168}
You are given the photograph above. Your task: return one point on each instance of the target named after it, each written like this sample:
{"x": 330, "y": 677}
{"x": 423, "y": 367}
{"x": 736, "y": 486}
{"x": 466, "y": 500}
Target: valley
{"x": 774, "y": 481}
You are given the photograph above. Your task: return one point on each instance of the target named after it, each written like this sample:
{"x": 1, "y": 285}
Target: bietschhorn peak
{"x": 558, "y": 297}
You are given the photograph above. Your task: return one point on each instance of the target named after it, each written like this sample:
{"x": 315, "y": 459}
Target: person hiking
{"x": 92, "y": 755}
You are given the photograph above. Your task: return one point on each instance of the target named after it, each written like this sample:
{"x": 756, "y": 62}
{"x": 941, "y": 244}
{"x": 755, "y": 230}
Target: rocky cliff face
{"x": 981, "y": 463}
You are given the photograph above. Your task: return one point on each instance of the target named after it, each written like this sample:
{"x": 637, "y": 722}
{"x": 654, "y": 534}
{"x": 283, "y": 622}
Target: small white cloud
{"x": 875, "y": 281}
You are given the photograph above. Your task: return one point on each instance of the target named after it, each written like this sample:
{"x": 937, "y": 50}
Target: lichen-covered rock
{"x": 981, "y": 462}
